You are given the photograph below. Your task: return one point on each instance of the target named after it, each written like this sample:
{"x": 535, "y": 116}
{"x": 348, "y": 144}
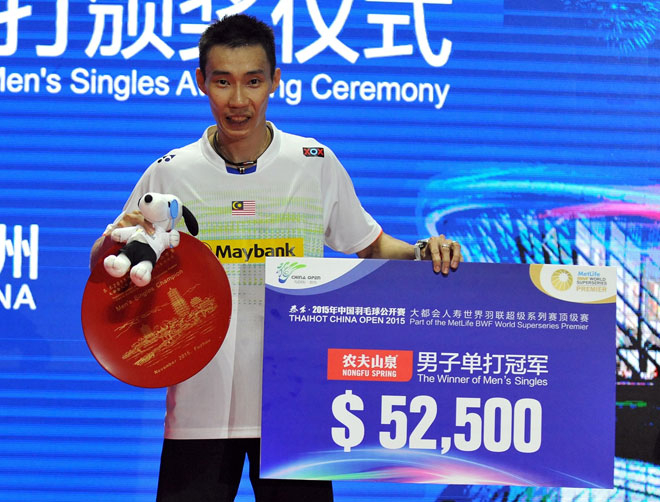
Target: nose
{"x": 148, "y": 198}
{"x": 238, "y": 97}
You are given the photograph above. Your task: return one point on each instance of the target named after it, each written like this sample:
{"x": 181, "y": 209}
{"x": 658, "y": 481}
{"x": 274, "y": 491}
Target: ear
{"x": 190, "y": 220}
{"x": 276, "y": 80}
{"x": 174, "y": 209}
{"x": 201, "y": 80}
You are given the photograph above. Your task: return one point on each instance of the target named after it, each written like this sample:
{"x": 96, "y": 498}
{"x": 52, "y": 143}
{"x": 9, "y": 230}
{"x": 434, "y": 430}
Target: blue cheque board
{"x": 381, "y": 370}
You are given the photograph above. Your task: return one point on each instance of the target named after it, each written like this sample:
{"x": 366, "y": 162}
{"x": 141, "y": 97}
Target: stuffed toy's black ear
{"x": 190, "y": 220}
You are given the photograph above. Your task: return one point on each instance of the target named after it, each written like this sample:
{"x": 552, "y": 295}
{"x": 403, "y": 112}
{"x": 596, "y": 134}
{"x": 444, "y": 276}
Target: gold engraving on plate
{"x": 168, "y": 341}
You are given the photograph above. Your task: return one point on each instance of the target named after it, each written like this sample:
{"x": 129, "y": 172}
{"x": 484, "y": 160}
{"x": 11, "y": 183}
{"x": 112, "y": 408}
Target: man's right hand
{"x": 105, "y": 242}
{"x": 132, "y": 219}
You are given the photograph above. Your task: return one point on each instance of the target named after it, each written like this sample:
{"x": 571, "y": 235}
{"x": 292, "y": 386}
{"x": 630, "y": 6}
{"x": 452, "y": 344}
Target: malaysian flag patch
{"x": 243, "y": 208}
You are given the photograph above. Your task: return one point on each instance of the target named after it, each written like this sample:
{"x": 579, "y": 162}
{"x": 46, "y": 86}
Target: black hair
{"x": 238, "y": 30}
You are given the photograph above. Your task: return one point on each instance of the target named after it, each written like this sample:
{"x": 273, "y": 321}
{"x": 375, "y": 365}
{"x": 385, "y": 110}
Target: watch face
{"x": 419, "y": 245}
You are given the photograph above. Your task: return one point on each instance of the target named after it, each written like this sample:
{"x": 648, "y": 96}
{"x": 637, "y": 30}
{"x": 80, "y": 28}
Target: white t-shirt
{"x": 299, "y": 198}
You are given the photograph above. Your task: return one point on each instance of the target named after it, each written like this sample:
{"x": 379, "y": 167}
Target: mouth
{"x": 237, "y": 120}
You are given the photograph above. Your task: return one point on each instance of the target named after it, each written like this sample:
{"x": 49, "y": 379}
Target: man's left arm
{"x": 444, "y": 253}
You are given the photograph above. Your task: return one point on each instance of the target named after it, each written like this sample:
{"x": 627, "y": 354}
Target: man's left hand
{"x": 444, "y": 253}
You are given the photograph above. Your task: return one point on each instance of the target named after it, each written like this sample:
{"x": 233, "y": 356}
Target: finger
{"x": 445, "y": 255}
{"x": 456, "y": 256}
{"x": 436, "y": 257}
{"x": 131, "y": 219}
{"x": 136, "y": 218}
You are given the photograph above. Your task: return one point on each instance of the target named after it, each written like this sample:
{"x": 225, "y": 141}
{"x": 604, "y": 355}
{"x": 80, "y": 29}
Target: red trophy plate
{"x": 167, "y": 331}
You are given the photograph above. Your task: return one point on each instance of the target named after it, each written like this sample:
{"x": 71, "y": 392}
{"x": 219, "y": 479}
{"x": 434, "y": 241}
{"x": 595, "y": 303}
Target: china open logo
{"x": 562, "y": 279}
{"x": 284, "y": 270}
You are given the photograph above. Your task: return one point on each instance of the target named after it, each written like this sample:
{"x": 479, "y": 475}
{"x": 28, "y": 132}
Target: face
{"x": 238, "y": 84}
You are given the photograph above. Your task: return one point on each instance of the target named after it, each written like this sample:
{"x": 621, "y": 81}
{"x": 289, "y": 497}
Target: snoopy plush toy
{"x": 142, "y": 249}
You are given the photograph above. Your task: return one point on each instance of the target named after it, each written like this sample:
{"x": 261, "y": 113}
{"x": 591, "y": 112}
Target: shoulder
{"x": 305, "y": 148}
{"x": 171, "y": 169}
{"x": 178, "y": 157}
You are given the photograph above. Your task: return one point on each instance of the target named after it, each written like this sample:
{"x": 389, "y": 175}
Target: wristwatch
{"x": 419, "y": 245}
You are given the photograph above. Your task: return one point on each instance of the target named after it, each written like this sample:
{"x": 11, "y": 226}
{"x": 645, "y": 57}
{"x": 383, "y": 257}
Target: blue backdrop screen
{"x": 528, "y": 130}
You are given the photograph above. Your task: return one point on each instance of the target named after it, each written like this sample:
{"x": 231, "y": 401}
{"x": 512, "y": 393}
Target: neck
{"x": 243, "y": 152}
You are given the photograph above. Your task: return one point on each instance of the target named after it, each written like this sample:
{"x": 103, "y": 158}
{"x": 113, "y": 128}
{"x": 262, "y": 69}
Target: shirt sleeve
{"x": 348, "y": 227}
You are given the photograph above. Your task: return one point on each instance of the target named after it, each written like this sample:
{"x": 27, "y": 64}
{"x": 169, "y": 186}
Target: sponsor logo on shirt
{"x": 243, "y": 208}
{"x": 313, "y": 151}
{"x": 165, "y": 158}
{"x": 255, "y": 250}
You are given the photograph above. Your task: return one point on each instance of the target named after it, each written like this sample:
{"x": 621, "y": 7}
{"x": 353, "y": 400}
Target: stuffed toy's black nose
{"x": 148, "y": 198}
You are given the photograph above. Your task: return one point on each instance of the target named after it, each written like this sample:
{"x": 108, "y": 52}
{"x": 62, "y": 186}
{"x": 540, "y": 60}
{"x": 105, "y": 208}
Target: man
{"x": 213, "y": 419}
